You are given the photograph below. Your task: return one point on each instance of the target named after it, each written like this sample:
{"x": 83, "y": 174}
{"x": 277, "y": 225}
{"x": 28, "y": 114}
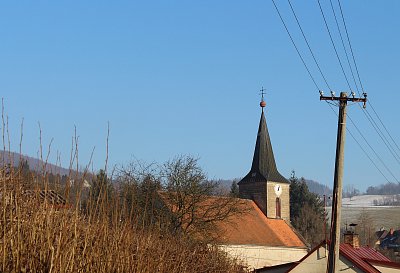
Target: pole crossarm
{"x": 345, "y": 98}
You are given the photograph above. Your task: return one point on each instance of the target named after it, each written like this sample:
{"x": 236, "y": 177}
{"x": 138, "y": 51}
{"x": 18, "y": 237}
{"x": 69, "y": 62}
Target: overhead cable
{"x": 344, "y": 47}
{"x": 359, "y": 78}
{"x": 361, "y": 147}
{"x": 373, "y": 150}
{"x": 294, "y": 44}
{"x": 366, "y": 112}
{"x": 334, "y": 46}
{"x": 308, "y": 45}
{"x": 320, "y": 70}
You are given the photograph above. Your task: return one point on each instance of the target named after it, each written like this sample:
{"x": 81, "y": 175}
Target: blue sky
{"x": 182, "y": 77}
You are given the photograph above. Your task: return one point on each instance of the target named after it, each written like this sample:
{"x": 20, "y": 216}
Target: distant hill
{"x": 313, "y": 186}
{"x": 318, "y": 188}
{"x": 34, "y": 163}
{"x": 384, "y": 189}
{"x": 224, "y": 184}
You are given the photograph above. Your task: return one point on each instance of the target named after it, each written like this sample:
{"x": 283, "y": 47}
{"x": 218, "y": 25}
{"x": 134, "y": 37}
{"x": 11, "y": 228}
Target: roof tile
{"x": 254, "y": 228}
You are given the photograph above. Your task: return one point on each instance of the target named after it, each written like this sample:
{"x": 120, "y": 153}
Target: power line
{"x": 333, "y": 43}
{"x": 320, "y": 70}
{"x": 359, "y": 145}
{"x": 344, "y": 47}
{"x": 359, "y": 78}
{"x": 294, "y": 44}
{"x": 348, "y": 61}
{"x": 351, "y": 48}
{"x": 367, "y": 155}
{"x": 366, "y": 112}
{"x": 383, "y": 125}
{"x": 373, "y": 150}
{"x": 308, "y": 45}
{"x": 382, "y": 136}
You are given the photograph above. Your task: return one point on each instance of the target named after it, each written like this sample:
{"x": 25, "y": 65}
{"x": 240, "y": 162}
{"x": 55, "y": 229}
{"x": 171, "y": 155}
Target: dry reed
{"x": 41, "y": 237}
{"x": 99, "y": 236}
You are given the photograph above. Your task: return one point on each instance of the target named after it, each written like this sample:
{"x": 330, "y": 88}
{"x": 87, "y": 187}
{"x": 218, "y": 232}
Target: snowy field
{"x": 365, "y": 200}
{"x": 363, "y": 205}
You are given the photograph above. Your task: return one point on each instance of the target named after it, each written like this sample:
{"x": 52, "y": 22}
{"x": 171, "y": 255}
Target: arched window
{"x": 278, "y": 207}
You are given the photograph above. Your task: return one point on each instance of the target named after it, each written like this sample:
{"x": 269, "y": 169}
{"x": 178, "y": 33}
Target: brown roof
{"x": 254, "y": 228}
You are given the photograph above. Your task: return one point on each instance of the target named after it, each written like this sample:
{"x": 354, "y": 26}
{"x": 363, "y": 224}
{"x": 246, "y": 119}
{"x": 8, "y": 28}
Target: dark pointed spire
{"x": 263, "y": 167}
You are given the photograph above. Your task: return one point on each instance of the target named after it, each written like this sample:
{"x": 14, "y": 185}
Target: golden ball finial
{"x": 263, "y": 104}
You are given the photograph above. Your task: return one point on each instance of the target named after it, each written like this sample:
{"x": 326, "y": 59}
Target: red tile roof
{"x": 254, "y": 228}
{"x": 247, "y": 227}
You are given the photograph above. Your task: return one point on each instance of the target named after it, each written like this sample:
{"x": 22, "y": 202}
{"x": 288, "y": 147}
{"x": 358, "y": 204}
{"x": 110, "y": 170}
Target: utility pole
{"x": 334, "y": 246}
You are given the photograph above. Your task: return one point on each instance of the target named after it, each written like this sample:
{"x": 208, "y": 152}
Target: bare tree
{"x": 188, "y": 196}
{"x": 138, "y": 184}
{"x": 365, "y": 228}
{"x": 176, "y": 196}
{"x": 350, "y": 191}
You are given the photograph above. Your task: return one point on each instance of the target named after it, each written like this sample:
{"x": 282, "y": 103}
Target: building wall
{"x": 316, "y": 263}
{"x": 261, "y": 256}
{"x": 271, "y": 200}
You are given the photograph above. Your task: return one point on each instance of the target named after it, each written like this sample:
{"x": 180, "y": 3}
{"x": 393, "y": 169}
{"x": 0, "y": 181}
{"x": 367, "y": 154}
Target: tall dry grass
{"x": 40, "y": 237}
{"x": 92, "y": 233}
{"x": 100, "y": 234}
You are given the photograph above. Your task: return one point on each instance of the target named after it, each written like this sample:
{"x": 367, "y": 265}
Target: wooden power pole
{"x": 333, "y": 255}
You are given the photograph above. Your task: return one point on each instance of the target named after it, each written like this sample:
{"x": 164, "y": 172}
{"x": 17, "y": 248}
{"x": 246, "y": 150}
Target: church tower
{"x": 264, "y": 184}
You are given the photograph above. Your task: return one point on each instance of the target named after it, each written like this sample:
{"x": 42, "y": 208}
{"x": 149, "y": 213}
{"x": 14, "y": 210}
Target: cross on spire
{"x": 262, "y": 93}
{"x": 262, "y": 103}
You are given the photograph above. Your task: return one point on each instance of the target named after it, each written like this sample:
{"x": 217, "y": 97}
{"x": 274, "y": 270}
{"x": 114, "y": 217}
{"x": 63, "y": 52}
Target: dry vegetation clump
{"x": 39, "y": 237}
